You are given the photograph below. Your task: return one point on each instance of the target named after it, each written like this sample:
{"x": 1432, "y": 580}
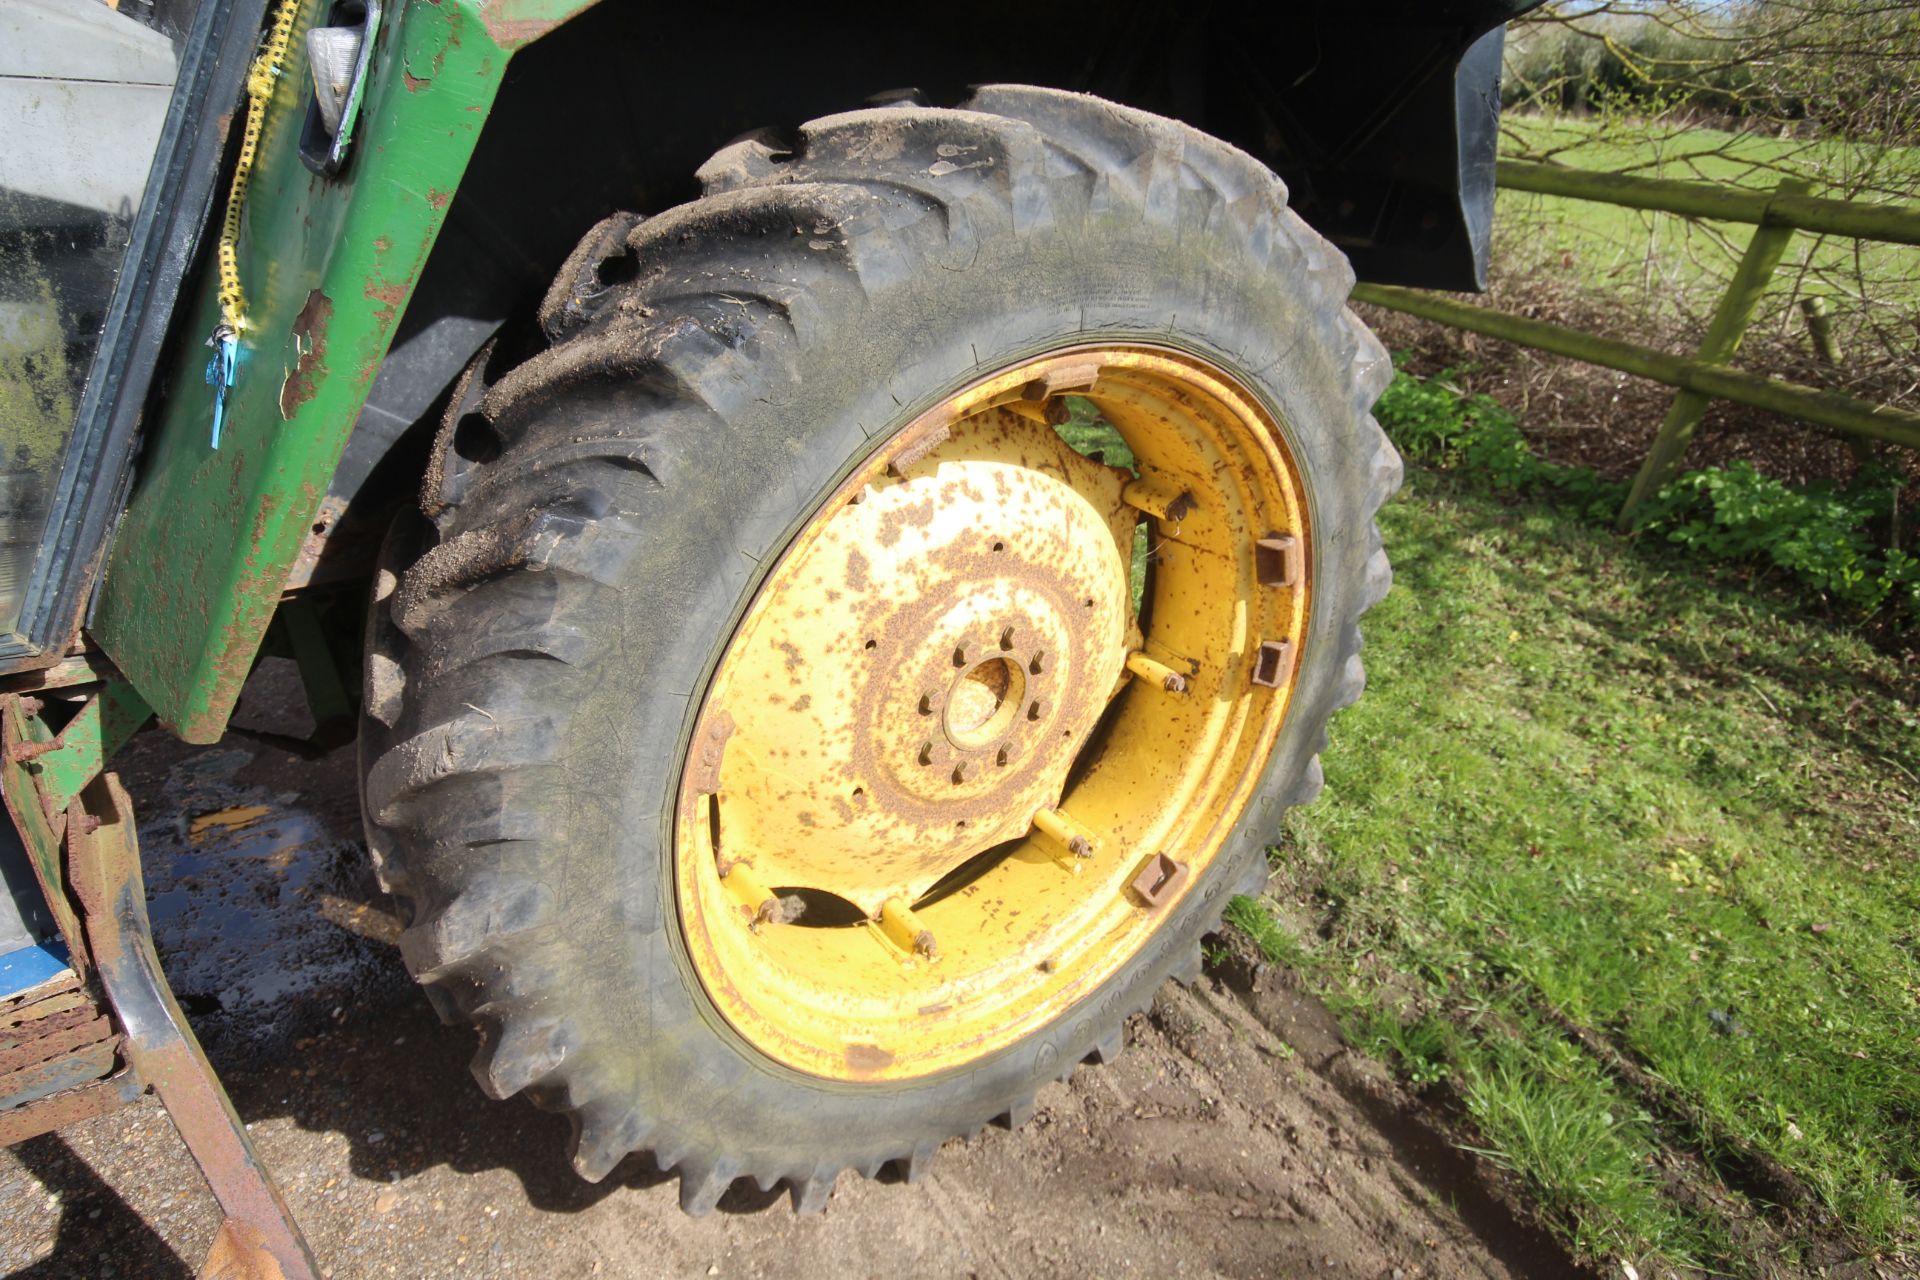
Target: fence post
{"x": 1728, "y": 326}
{"x": 1819, "y": 317}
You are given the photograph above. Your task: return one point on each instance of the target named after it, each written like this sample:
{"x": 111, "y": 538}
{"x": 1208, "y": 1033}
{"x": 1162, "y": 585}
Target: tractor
{"x": 836, "y": 537}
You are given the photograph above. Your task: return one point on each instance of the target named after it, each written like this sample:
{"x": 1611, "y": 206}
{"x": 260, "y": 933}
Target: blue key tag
{"x": 220, "y": 372}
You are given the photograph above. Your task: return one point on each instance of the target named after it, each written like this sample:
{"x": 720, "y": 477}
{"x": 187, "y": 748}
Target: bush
{"x": 1821, "y": 534}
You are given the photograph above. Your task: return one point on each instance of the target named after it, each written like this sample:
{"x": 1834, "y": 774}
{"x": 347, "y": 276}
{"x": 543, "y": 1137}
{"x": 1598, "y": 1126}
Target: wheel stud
{"x": 905, "y": 930}
{"x": 1058, "y": 829}
{"x": 747, "y": 890}
{"x": 960, "y": 772}
{"x": 1156, "y": 501}
{"x": 1006, "y": 637}
{"x": 926, "y": 704}
{"x": 926, "y": 753}
{"x": 1156, "y": 673}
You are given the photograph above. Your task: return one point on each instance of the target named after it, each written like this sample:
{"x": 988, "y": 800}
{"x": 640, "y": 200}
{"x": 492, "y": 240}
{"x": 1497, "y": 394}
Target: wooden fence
{"x": 1705, "y": 376}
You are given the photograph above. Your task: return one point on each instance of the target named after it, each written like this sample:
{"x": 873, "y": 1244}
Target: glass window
{"x": 84, "y": 86}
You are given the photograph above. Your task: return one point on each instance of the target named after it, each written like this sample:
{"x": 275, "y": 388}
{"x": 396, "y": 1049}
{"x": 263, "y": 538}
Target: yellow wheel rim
{"x": 946, "y": 780}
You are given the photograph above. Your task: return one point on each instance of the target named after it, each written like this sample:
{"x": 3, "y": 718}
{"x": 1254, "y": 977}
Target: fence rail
{"x": 1893, "y": 223}
{"x": 1775, "y": 217}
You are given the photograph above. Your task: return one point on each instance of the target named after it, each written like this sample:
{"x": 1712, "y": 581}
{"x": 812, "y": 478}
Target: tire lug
{"x": 1271, "y": 663}
{"x": 1278, "y": 560}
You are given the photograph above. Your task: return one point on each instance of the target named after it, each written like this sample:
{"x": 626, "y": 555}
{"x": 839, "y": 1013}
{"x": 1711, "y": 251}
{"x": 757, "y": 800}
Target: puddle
{"x": 263, "y": 910}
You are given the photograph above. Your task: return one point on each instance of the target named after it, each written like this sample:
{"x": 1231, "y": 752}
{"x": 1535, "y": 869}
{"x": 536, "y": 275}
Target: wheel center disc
{"x": 929, "y": 664}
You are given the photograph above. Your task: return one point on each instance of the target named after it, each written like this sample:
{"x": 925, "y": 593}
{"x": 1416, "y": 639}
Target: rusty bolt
{"x": 1155, "y": 672}
{"x": 1035, "y": 709}
{"x": 1038, "y": 664}
{"x": 89, "y": 823}
{"x": 1006, "y": 637}
{"x": 926, "y": 753}
{"x": 21, "y": 752}
{"x": 926, "y": 704}
{"x": 959, "y": 655}
{"x": 960, "y": 772}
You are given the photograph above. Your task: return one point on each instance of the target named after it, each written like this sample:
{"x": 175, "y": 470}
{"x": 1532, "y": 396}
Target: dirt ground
{"x": 1235, "y": 1137}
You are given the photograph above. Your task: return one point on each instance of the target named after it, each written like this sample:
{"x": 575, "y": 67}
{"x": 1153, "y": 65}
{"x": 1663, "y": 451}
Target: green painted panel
{"x": 328, "y": 265}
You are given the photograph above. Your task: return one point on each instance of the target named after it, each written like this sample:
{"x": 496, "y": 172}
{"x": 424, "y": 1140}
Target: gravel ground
{"x": 1236, "y": 1137}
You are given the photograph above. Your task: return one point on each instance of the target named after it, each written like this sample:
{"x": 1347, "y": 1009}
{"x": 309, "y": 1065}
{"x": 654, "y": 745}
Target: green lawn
{"x": 1667, "y": 258}
{"x": 1619, "y": 856}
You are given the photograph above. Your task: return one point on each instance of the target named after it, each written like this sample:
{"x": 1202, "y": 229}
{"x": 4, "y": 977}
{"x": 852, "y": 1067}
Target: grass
{"x": 1621, "y": 856}
{"x": 1607, "y": 246}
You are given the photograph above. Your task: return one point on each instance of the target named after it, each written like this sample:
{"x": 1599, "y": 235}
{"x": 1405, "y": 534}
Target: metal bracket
{"x": 260, "y": 1237}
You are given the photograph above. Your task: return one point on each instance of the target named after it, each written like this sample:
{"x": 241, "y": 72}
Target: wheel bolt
{"x": 960, "y": 772}
{"x": 1064, "y": 833}
{"x": 926, "y": 704}
{"x": 1156, "y": 673}
{"x": 1006, "y": 638}
{"x": 926, "y": 753}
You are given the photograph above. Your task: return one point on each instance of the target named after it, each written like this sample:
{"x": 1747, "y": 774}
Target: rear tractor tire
{"x": 849, "y": 670}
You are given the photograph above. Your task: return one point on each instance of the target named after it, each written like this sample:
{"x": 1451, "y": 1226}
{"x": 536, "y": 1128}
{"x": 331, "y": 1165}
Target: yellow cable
{"x": 266, "y": 69}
